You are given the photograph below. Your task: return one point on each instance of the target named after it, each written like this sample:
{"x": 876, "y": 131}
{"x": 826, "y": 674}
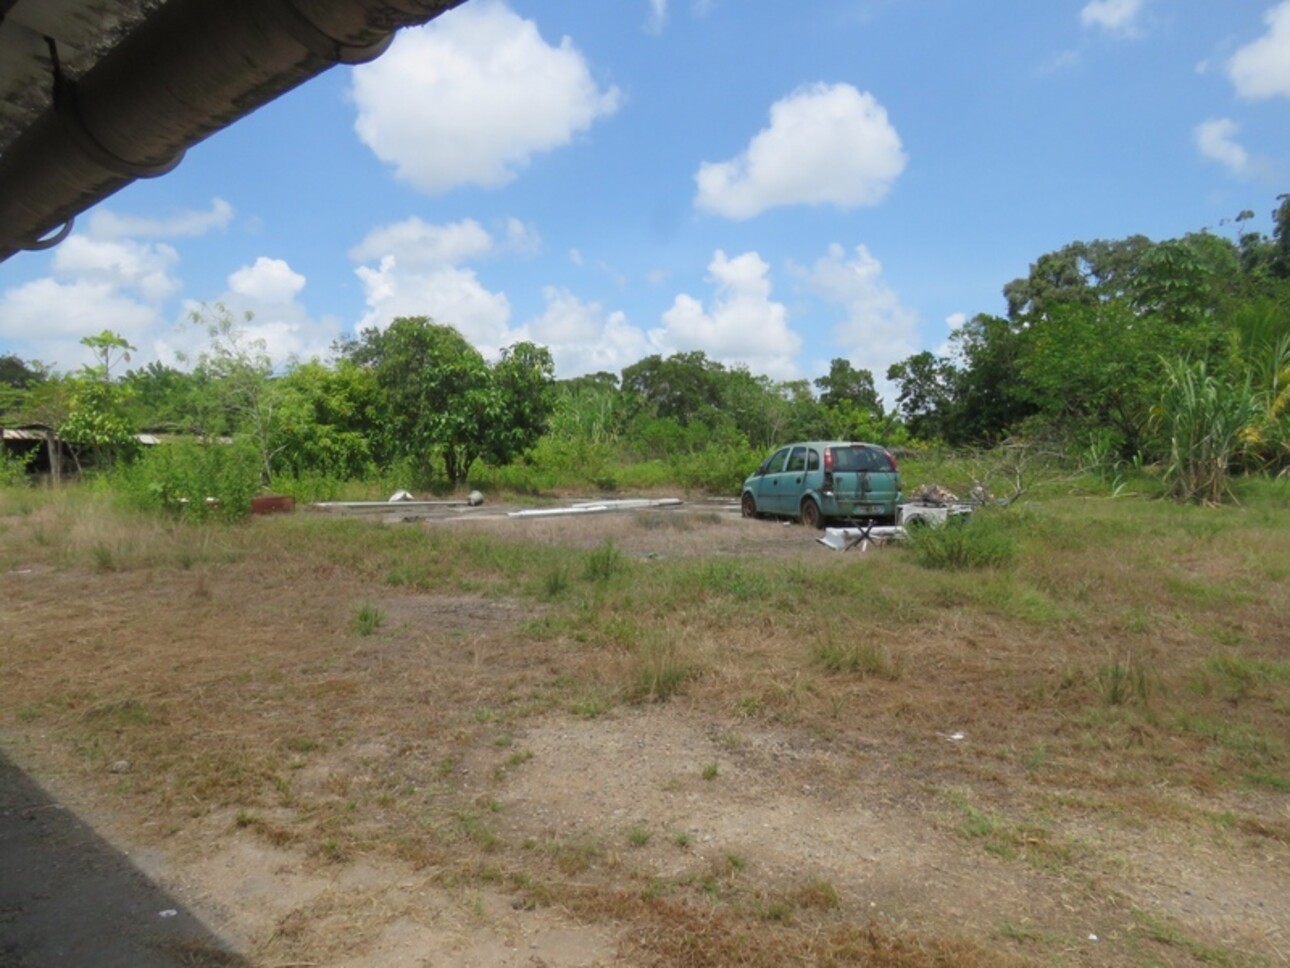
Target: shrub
{"x": 194, "y": 479}
{"x": 718, "y": 468}
{"x": 1202, "y": 420}
{"x": 604, "y": 562}
{"x": 367, "y": 619}
{"x": 960, "y": 544}
{"x": 13, "y": 468}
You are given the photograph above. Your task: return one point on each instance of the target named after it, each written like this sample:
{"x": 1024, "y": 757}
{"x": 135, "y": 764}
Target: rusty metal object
{"x": 273, "y": 504}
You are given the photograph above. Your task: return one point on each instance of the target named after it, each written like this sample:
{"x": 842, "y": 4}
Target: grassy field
{"x": 680, "y": 738}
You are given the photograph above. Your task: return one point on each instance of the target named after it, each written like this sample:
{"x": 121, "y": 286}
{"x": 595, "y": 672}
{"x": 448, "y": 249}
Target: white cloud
{"x": 471, "y": 97}
{"x": 418, "y": 272}
{"x": 104, "y": 277}
{"x": 106, "y": 224}
{"x": 268, "y": 281}
{"x": 522, "y": 238}
{"x": 878, "y": 329}
{"x": 742, "y": 324}
{"x": 122, "y": 264}
{"x": 417, "y": 243}
{"x": 263, "y": 300}
{"x": 582, "y": 338}
{"x": 1120, "y": 18}
{"x": 450, "y": 295}
{"x": 1216, "y": 139}
{"x": 657, "y": 16}
{"x": 51, "y": 316}
{"x": 1262, "y": 68}
{"x": 826, "y": 144}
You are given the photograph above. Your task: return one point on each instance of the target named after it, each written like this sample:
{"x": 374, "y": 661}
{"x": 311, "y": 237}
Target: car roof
{"x": 830, "y": 443}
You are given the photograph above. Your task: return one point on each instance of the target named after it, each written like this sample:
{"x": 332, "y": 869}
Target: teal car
{"x": 819, "y": 481}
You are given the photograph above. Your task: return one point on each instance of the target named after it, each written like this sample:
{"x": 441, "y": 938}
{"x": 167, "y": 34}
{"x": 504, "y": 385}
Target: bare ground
{"x": 438, "y": 794}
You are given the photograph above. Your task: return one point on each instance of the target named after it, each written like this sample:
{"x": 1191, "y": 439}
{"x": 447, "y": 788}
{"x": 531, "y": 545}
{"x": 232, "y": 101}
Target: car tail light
{"x": 891, "y": 459}
{"x": 828, "y": 459}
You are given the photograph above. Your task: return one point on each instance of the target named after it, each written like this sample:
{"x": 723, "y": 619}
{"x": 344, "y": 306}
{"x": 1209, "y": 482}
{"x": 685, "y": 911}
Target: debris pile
{"x": 933, "y": 494}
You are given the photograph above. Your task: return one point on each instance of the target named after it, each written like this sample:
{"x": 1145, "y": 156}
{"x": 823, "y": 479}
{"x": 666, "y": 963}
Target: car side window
{"x": 812, "y": 460}
{"x": 777, "y": 462}
{"x": 797, "y": 461}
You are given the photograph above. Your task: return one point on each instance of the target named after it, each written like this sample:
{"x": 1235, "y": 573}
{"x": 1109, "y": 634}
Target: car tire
{"x": 748, "y": 506}
{"x": 811, "y": 516}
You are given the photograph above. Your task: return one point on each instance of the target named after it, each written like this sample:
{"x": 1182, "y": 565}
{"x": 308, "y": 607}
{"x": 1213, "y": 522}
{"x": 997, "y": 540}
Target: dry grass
{"x": 1126, "y": 681}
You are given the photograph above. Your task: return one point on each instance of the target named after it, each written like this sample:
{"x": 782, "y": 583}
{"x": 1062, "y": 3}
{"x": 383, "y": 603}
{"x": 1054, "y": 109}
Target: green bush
{"x": 718, "y": 468}
{"x": 13, "y": 468}
{"x": 194, "y": 479}
{"x": 962, "y": 543}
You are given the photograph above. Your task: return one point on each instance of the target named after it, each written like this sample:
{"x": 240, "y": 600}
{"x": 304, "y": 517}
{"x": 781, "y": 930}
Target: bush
{"x": 13, "y": 468}
{"x": 962, "y": 543}
{"x": 1203, "y": 421}
{"x": 718, "y": 468}
{"x": 194, "y": 479}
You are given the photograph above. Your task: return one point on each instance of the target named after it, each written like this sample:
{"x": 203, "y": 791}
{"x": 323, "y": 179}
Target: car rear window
{"x": 859, "y": 459}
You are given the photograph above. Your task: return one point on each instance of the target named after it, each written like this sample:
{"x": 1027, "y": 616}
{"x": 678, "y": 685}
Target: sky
{"x": 774, "y": 185}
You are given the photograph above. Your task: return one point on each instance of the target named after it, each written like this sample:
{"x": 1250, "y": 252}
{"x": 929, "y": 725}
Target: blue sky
{"x": 852, "y": 178}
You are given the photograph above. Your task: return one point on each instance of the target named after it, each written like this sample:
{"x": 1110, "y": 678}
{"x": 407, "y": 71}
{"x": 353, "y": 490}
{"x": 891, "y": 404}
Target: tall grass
{"x": 960, "y": 544}
{"x": 1203, "y": 419}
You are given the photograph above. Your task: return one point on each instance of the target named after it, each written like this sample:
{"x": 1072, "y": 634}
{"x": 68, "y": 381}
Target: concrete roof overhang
{"x": 97, "y": 93}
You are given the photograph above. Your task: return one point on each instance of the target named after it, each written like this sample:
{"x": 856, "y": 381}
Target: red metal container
{"x": 273, "y": 504}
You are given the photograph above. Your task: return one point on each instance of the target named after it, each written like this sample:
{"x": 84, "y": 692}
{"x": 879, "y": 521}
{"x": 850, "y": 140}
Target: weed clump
{"x": 367, "y": 619}
{"x": 604, "y": 562}
{"x": 659, "y": 672}
{"x": 857, "y": 658}
{"x": 1123, "y": 682}
{"x": 959, "y": 544}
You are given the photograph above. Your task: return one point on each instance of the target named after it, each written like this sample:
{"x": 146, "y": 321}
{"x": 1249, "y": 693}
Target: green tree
{"x": 235, "y": 373}
{"x": 845, "y": 383}
{"x": 162, "y": 397}
{"x": 108, "y": 348}
{"x": 683, "y": 386}
{"x": 926, "y": 393}
{"x": 1083, "y": 273}
{"x": 16, "y": 380}
{"x": 328, "y": 420}
{"x": 1280, "y": 261}
{"x": 524, "y": 381}
{"x": 441, "y": 401}
{"x": 96, "y": 418}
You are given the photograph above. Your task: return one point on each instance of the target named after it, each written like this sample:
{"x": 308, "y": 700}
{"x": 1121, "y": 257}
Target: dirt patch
{"x": 864, "y": 774}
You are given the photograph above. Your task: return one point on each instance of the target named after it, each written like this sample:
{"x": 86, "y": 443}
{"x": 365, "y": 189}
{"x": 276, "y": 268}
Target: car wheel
{"x": 811, "y": 516}
{"x": 748, "y": 506}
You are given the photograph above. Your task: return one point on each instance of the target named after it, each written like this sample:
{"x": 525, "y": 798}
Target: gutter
{"x": 191, "y": 69}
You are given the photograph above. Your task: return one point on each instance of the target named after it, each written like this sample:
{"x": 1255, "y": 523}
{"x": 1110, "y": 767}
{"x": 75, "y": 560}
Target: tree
{"x": 442, "y": 401}
{"x": 1281, "y": 236}
{"x": 988, "y": 398}
{"x": 16, "y": 380}
{"x": 845, "y": 382}
{"x": 1082, "y": 272}
{"x": 524, "y": 380}
{"x": 96, "y": 418}
{"x": 327, "y": 420}
{"x": 926, "y": 393}
{"x": 683, "y": 386}
{"x": 162, "y": 397}
{"x": 108, "y": 348}
{"x": 237, "y": 376}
